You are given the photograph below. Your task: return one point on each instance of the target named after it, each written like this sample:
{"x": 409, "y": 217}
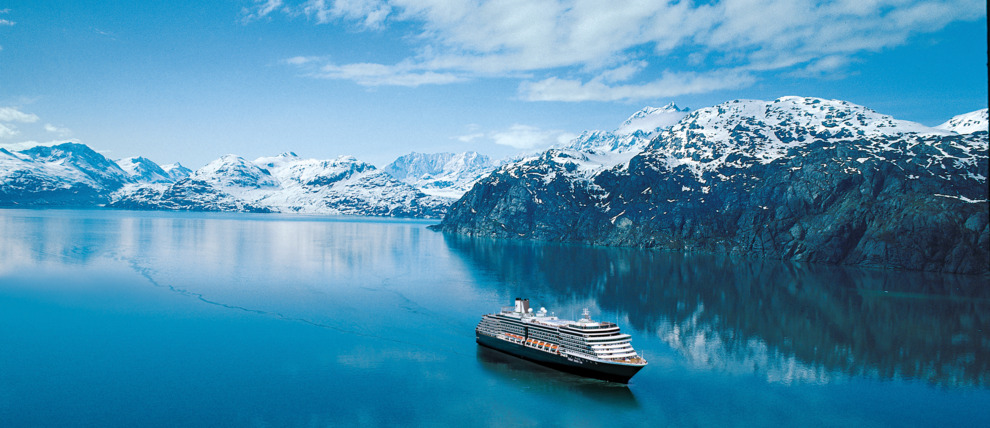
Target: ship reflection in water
{"x": 783, "y": 321}
{"x": 525, "y": 375}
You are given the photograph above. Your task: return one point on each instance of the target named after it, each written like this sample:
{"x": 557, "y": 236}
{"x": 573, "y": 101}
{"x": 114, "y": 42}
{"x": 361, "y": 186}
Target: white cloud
{"x": 261, "y": 9}
{"x": 370, "y": 74}
{"x": 830, "y": 66}
{"x": 6, "y": 22}
{"x": 527, "y": 137}
{"x": 591, "y": 45}
{"x": 7, "y": 131}
{"x": 301, "y": 60}
{"x": 623, "y": 73}
{"x": 370, "y": 13}
{"x": 598, "y": 89}
{"x": 521, "y": 137}
{"x": 11, "y": 114}
{"x": 470, "y": 137}
{"x": 57, "y": 130}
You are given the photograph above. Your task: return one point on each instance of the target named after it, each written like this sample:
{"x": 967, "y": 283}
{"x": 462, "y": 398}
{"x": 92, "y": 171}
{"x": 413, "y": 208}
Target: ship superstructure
{"x": 584, "y": 347}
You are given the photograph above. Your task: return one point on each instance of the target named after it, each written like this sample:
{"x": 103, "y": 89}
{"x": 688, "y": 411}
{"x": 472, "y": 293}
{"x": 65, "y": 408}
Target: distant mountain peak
{"x": 967, "y": 123}
{"x": 652, "y": 119}
{"x": 177, "y": 171}
{"x": 82, "y": 158}
{"x": 234, "y": 171}
{"x": 446, "y": 175}
{"x": 144, "y": 169}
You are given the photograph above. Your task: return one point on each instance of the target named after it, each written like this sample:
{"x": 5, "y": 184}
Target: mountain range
{"x": 414, "y": 185}
{"x": 796, "y": 178}
{"x": 74, "y": 175}
{"x": 285, "y": 183}
{"x": 802, "y": 179}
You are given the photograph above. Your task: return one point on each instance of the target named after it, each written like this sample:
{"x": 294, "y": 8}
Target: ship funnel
{"x": 525, "y": 305}
{"x": 519, "y": 305}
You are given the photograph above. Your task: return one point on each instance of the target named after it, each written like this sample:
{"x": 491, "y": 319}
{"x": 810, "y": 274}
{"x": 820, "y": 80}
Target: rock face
{"x": 796, "y": 178}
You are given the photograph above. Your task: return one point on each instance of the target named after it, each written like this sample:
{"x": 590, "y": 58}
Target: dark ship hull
{"x": 613, "y": 372}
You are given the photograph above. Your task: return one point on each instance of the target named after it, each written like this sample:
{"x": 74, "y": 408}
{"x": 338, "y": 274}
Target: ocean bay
{"x": 121, "y": 318}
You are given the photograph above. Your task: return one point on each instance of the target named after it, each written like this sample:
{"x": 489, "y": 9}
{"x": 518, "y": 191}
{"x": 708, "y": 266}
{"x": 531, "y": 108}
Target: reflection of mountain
{"x": 787, "y": 321}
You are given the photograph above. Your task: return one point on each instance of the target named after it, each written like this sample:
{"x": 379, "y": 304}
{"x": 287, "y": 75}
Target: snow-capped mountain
{"x": 967, "y": 123}
{"x": 650, "y": 120}
{"x": 144, "y": 170}
{"x": 447, "y": 175}
{"x": 287, "y": 183}
{"x": 794, "y": 178}
{"x": 344, "y": 186}
{"x": 67, "y": 174}
{"x": 631, "y": 137}
{"x": 81, "y": 158}
{"x": 72, "y": 174}
{"x": 235, "y": 172}
{"x": 762, "y": 131}
{"x": 176, "y": 171}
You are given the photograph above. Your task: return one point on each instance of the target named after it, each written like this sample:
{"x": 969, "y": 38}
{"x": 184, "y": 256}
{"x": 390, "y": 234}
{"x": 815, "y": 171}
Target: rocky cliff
{"x": 801, "y": 179}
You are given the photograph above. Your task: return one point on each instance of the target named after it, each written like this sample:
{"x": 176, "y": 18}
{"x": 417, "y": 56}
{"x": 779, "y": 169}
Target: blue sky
{"x": 191, "y": 81}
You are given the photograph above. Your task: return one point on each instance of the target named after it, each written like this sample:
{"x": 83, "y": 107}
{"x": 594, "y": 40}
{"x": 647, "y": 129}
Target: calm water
{"x": 175, "y": 319}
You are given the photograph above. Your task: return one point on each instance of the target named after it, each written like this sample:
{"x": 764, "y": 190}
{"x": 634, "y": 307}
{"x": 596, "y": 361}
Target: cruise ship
{"x": 584, "y": 347}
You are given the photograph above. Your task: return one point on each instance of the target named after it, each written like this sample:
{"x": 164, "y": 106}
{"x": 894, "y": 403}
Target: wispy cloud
{"x": 599, "y": 89}
{"x": 371, "y": 74}
{"x": 370, "y": 14}
{"x": 603, "y": 50}
{"x": 470, "y": 137}
{"x": 11, "y": 114}
{"x": 5, "y": 22}
{"x": 63, "y": 132}
{"x": 7, "y": 131}
{"x": 261, "y": 9}
{"x": 522, "y": 137}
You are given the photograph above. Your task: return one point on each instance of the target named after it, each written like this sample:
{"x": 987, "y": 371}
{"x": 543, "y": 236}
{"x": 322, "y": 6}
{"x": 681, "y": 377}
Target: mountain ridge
{"x": 796, "y": 178}
{"x": 446, "y": 174}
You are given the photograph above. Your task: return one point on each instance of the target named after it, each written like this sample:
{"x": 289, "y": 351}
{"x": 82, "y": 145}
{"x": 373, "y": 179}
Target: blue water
{"x": 114, "y": 318}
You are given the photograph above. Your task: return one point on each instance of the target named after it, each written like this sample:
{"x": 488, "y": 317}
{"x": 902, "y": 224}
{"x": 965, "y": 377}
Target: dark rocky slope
{"x": 796, "y": 178}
